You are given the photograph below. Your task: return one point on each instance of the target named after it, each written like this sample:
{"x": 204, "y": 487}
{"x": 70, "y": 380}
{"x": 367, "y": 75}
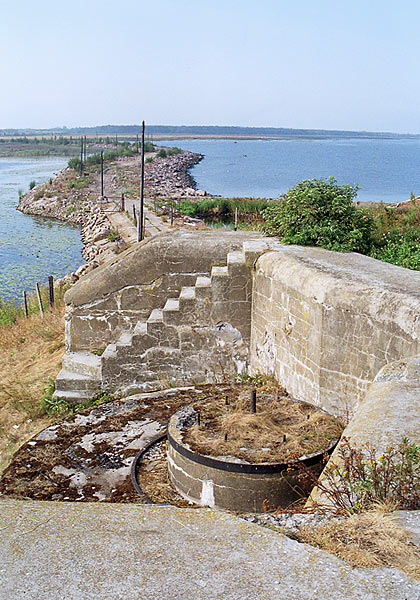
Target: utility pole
{"x": 81, "y": 155}
{"x": 102, "y": 174}
{"x": 140, "y": 227}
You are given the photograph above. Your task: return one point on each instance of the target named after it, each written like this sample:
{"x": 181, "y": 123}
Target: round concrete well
{"x": 230, "y": 483}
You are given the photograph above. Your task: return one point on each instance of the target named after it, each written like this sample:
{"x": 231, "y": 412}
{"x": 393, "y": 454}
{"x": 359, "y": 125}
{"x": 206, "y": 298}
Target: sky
{"x": 275, "y": 63}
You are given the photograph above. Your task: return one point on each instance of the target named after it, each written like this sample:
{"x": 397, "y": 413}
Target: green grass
{"x": 223, "y": 209}
{"x": 10, "y": 310}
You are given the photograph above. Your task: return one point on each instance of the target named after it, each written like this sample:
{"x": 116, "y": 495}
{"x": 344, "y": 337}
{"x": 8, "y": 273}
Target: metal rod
{"x": 140, "y": 227}
{"x": 253, "y": 400}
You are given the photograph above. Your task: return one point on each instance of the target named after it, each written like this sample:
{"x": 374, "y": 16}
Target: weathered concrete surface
{"x": 52, "y": 551}
{"x": 389, "y": 412}
{"x": 113, "y": 298}
{"x": 324, "y": 323}
{"x": 212, "y": 485}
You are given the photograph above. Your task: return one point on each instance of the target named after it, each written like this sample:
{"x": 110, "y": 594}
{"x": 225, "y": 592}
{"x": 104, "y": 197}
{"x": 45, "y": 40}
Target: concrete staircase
{"x": 201, "y": 335}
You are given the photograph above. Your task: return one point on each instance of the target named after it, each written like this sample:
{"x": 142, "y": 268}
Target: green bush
{"x": 32, "y": 185}
{"x": 363, "y": 479}
{"x": 400, "y": 248}
{"x": 74, "y": 163}
{"x": 319, "y": 212}
{"x": 162, "y": 153}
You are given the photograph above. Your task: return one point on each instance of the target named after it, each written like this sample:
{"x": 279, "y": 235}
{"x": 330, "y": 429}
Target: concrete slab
{"x": 71, "y": 551}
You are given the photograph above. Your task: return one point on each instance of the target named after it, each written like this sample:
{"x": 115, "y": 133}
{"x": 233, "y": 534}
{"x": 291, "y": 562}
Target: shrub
{"x": 162, "y": 153}
{"x": 363, "y": 479}
{"x": 319, "y": 212}
{"x": 32, "y": 185}
{"x": 74, "y": 163}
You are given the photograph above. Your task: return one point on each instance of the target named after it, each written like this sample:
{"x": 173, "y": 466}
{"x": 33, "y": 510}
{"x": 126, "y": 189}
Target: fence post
{"x": 236, "y": 219}
{"x": 38, "y": 293}
{"x": 122, "y": 202}
{"x": 25, "y": 304}
{"x": 134, "y": 214}
{"x": 51, "y": 290}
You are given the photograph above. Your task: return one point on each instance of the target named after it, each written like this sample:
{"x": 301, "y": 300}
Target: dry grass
{"x": 260, "y": 437}
{"x": 371, "y": 539}
{"x": 30, "y": 355}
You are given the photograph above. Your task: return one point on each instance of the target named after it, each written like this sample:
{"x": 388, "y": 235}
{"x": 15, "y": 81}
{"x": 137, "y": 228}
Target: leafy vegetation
{"x": 361, "y": 479}
{"x": 58, "y": 407}
{"x": 223, "y": 209}
{"x": 123, "y": 150}
{"x": 319, "y": 212}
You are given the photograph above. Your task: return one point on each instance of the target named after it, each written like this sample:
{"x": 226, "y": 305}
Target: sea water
{"x": 386, "y": 170}
{"x": 32, "y": 248}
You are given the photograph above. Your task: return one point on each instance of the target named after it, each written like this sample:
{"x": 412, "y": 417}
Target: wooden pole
{"x": 25, "y": 304}
{"x": 253, "y": 400}
{"x": 122, "y": 202}
{"x": 140, "y": 228}
{"x": 134, "y": 214}
{"x": 38, "y": 293}
{"x": 85, "y": 153}
{"x": 236, "y": 219}
{"x": 51, "y": 290}
{"x": 102, "y": 173}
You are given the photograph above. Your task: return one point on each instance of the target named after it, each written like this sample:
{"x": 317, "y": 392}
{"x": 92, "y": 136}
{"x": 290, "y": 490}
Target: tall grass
{"x": 249, "y": 209}
{"x": 11, "y": 311}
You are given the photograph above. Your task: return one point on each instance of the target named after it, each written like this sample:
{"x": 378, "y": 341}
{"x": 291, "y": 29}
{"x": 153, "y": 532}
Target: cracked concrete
{"x": 69, "y": 551}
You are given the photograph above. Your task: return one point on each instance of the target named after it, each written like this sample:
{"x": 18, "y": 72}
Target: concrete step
{"x": 202, "y": 287}
{"x": 84, "y": 363}
{"x": 125, "y": 338}
{"x": 236, "y": 257}
{"x": 187, "y": 295}
{"x": 70, "y": 381}
{"x": 219, "y": 272}
{"x": 156, "y": 316}
{"x": 73, "y": 397}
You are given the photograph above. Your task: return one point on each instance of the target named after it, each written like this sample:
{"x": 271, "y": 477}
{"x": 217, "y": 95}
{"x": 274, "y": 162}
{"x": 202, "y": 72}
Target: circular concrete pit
{"x": 230, "y": 483}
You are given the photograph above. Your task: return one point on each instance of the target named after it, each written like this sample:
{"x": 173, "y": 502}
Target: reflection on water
{"x": 32, "y": 248}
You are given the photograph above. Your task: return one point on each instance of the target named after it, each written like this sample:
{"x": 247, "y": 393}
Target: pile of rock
{"x": 168, "y": 177}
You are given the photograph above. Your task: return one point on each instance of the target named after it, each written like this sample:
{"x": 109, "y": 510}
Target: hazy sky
{"x": 308, "y": 64}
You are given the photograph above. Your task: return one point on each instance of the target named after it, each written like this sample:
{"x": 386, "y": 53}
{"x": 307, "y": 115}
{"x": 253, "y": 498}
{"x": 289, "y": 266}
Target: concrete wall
{"x": 324, "y": 323}
{"x": 389, "y": 412}
{"x": 114, "y": 297}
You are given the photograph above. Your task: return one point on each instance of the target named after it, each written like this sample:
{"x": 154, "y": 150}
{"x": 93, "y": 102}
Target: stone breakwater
{"x": 166, "y": 177}
{"x": 75, "y": 200}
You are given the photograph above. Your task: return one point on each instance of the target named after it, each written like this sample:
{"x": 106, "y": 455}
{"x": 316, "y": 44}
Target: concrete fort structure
{"x": 203, "y": 306}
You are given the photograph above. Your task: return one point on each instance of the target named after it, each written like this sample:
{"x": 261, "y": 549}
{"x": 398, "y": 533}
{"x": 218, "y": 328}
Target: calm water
{"x": 385, "y": 170}
{"x": 31, "y": 248}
